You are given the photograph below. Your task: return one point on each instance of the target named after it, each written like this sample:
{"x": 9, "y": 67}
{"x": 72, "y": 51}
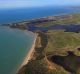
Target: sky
{"x": 36, "y": 3}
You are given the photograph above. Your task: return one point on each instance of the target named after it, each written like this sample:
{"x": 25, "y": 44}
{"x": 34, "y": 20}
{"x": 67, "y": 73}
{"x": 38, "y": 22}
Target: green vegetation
{"x": 61, "y": 42}
{"x": 36, "y": 67}
{"x": 53, "y": 43}
{"x": 61, "y": 20}
{"x": 56, "y": 43}
{"x": 41, "y": 67}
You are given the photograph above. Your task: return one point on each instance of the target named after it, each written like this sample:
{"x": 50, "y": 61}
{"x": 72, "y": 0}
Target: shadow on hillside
{"x": 71, "y": 62}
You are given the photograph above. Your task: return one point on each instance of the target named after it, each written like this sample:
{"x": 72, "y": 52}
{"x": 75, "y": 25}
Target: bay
{"x": 14, "y": 45}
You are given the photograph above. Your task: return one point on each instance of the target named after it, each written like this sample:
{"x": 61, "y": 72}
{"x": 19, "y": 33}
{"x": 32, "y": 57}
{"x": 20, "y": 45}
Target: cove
{"x": 14, "y": 45}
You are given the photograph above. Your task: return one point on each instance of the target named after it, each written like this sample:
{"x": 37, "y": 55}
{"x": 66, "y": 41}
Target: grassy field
{"x": 61, "y": 20}
{"x": 61, "y": 42}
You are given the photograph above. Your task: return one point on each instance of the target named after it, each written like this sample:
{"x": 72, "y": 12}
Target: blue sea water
{"x": 16, "y": 15}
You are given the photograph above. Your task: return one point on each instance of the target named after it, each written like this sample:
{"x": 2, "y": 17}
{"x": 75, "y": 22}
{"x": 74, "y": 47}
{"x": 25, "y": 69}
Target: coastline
{"x": 38, "y": 18}
{"x": 29, "y": 54}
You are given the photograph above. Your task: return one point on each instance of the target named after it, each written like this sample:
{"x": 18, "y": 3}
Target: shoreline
{"x": 44, "y": 17}
{"x": 29, "y": 55}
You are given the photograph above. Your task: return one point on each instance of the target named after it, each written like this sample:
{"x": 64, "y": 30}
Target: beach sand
{"x": 29, "y": 56}
{"x": 30, "y": 53}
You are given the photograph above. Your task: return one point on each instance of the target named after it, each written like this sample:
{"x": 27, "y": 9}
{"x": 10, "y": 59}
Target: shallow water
{"x": 14, "y": 45}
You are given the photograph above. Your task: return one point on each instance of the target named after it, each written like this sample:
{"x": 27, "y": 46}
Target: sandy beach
{"x": 29, "y": 55}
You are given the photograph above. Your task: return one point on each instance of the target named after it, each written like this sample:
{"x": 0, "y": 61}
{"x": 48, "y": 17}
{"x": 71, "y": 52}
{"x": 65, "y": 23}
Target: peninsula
{"x": 56, "y": 48}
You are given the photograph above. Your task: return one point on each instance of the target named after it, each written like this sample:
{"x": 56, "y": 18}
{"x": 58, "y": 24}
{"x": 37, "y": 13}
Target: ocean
{"x": 21, "y": 14}
{"x": 14, "y": 43}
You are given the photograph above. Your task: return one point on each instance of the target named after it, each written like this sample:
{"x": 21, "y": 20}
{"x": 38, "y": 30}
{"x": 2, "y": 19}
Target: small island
{"x": 56, "y": 48}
